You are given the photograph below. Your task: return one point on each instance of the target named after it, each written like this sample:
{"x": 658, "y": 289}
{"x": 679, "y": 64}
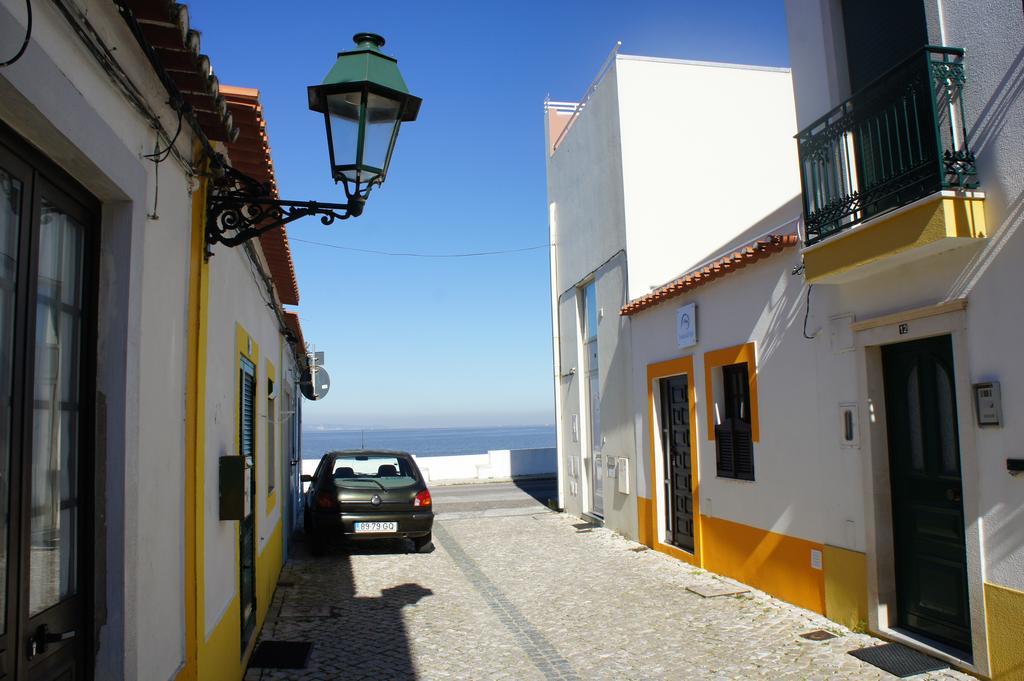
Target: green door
{"x": 247, "y": 526}
{"x": 928, "y": 516}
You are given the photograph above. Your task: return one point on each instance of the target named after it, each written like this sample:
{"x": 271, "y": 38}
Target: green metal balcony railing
{"x": 897, "y": 140}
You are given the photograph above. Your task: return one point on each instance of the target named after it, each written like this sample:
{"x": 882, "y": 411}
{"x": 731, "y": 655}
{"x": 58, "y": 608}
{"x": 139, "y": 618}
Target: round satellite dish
{"x": 315, "y": 389}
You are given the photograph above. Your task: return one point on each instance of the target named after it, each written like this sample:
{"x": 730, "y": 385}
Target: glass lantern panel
{"x": 381, "y": 119}
{"x": 343, "y": 114}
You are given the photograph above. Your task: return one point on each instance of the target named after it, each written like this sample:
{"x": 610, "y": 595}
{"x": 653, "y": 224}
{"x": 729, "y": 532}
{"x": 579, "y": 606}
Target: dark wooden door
{"x": 47, "y": 332}
{"x": 675, "y": 420}
{"x": 928, "y": 516}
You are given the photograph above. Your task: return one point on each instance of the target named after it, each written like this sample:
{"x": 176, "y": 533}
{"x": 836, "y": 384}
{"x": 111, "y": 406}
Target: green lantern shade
{"x": 364, "y": 101}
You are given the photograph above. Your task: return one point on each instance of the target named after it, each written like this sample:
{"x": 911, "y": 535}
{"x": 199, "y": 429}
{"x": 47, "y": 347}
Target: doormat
{"x": 706, "y": 591}
{"x": 817, "y": 635}
{"x": 898, "y": 660}
{"x": 281, "y": 654}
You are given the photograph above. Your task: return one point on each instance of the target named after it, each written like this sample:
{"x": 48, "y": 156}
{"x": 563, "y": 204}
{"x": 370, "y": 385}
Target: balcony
{"x": 888, "y": 175}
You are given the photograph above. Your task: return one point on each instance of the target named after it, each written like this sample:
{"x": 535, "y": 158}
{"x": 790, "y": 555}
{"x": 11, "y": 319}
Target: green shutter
{"x": 247, "y": 408}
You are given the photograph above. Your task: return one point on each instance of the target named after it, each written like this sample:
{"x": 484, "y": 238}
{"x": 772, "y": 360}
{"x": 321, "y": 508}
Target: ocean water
{"x": 428, "y": 441}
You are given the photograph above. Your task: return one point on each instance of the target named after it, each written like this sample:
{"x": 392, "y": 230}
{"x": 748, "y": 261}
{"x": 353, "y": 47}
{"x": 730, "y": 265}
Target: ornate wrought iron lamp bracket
{"x": 239, "y": 208}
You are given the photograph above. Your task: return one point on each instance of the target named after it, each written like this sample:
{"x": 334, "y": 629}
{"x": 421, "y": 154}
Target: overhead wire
{"x": 28, "y": 36}
{"x": 409, "y": 254}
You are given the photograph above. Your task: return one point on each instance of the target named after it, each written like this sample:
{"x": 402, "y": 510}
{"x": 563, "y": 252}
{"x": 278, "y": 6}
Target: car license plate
{"x": 377, "y": 527}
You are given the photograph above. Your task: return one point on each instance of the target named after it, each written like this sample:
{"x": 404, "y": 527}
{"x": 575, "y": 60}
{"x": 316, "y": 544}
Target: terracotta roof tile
{"x": 291, "y": 320}
{"x": 165, "y": 29}
{"x": 250, "y": 153}
{"x": 752, "y": 252}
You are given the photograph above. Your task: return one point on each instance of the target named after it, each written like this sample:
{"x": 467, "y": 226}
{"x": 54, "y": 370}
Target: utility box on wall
{"x": 235, "y": 472}
{"x": 622, "y": 480}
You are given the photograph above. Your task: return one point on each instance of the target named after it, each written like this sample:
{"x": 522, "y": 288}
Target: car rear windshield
{"x": 375, "y": 471}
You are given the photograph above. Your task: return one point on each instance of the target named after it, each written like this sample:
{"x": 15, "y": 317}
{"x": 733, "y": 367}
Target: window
{"x": 734, "y": 444}
{"x": 590, "y": 310}
{"x": 288, "y": 426}
{"x": 246, "y": 408}
{"x": 590, "y": 318}
{"x": 271, "y": 437}
{"x": 373, "y": 471}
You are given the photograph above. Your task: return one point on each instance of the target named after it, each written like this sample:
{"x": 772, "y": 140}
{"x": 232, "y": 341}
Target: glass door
{"x": 593, "y": 460}
{"x": 45, "y": 422}
{"x": 15, "y": 178}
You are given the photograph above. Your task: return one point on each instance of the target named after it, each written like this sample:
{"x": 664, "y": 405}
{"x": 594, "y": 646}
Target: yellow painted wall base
{"x": 268, "y": 569}
{"x": 221, "y": 656}
{"x": 644, "y": 516}
{"x": 1005, "y": 612}
{"x": 846, "y": 586}
{"x": 933, "y": 220}
{"x": 772, "y": 562}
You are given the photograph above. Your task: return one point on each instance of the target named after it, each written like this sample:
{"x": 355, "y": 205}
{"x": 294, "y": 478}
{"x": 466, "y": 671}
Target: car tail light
{"x": 422, "y": 499}
{"x": 326, "y": 501}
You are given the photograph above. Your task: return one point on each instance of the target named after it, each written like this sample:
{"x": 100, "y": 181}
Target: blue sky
{"x": 447, "y": 342}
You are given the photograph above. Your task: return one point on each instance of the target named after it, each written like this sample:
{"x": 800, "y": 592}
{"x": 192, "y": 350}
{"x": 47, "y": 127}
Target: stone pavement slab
{"x": 514, "y": 596}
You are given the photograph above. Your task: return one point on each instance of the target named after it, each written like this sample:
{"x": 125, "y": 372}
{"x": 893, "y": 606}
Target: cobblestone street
{"x": 514, "y": 591}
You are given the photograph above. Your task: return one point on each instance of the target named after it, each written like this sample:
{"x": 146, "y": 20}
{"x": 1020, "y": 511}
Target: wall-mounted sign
{"x": 989, "y": 403}
{"x": 686, "y": 325}
{"x": 315, "y": 383}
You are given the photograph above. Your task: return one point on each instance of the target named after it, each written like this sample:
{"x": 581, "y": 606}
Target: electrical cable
{"x": 420, "y": 255}
{"x": 807, "y": 312}
{"x": 28, "y": 36}
{"x": 161, "y": 155}
{"x": 103, "y": 55}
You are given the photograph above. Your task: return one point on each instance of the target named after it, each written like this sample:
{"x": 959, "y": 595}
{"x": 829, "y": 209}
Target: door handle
{"x": 38, "y": 642}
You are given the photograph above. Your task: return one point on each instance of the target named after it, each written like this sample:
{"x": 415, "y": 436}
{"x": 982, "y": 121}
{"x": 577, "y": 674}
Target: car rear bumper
{"x": 410, "y": 525}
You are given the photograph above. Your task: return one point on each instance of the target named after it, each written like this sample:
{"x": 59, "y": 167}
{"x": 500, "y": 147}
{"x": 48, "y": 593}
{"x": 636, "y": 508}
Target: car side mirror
{"x": 307, "y": 478}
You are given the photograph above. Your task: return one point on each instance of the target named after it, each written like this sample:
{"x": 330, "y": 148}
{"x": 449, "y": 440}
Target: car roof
{"x": 367, "y": 452}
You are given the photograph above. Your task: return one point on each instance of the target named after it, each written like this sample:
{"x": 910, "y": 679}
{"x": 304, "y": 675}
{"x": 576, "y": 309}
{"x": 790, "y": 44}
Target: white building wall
{"x": 990, "y": 31}
{"x": 59, "y": 98}
{"x": 802, "y": 487}
{"x": 707, "y": 150}
{"x": 666, "y": 162}
{"x": 234, "y": 299}
{"x": 585, "y": 189}
{"x": 988, "y": 275}
{"x": 586, "y": 213}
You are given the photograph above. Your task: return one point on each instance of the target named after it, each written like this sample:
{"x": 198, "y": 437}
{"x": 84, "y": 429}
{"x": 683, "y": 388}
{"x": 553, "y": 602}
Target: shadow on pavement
{"x": 544, "y": 490}
{"x": 353, "y": 637}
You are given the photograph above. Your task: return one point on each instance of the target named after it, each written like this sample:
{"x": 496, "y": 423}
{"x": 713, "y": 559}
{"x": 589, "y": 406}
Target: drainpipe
{"x": 556, "y": 360}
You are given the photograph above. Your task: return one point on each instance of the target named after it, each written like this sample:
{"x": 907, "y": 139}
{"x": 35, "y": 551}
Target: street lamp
{"x": 364, "y": 101}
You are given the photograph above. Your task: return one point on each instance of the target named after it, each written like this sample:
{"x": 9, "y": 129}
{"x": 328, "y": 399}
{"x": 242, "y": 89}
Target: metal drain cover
{"x": 709, "y": 591}
{"x": 281, "y": 654}
{"x": 898, "y": 660}
{"x": 817, "y": 635}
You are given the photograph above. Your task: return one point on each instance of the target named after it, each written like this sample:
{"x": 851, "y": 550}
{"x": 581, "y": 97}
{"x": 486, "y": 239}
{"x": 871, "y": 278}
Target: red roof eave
{"x": 250, "y": 153}
{"x": 738, "y": 259}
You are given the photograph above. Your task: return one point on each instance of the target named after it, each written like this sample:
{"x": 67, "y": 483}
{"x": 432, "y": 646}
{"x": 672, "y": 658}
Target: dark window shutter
{"x": 734, "y": 442}
{"x": 743, "y": 451}
{"x": 724, "y": 450}
{"x": 246, "y": 408}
